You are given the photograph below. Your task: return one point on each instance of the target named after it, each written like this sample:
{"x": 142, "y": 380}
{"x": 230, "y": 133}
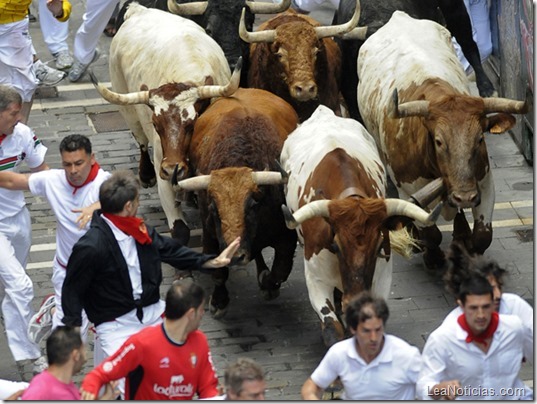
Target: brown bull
{"x": 234, "y": 149}
{"x": 292, "y": 56}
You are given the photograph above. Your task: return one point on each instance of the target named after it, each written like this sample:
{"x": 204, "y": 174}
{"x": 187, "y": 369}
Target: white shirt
{"x": 53, "y": 185}
{"x": 21, "y": 145}
{"x": 515, "y": 305}
{"x": 127, "y": 245}
{"x": 391, "y": 375}
{"x": 492, "y": 375}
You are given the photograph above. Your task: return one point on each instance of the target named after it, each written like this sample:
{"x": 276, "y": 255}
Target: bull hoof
{"x": 331, "y": 332}
{"x": 269, "y": 289}
{"x": 270, "y": 294}
{"x": 148, "y": 182}
{"x": 217, "y": 312}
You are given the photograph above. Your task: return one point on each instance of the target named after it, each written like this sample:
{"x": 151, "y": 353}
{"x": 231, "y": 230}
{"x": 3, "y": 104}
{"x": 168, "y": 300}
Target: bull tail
{"x": 402, "y": 242}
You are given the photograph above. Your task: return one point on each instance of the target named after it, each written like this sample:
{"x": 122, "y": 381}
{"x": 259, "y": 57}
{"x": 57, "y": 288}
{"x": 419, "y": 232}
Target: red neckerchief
{"x": 489, "y": 332}
{"x": 131, "y": 225}
{"x": 92, "y": 174}
{"x": 2, "y": 137}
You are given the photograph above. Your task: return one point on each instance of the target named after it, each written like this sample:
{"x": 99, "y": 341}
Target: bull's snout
{"x": 175, "y": 171}
{"x": 465, "y": 199}
{"x": 304, "y": 90}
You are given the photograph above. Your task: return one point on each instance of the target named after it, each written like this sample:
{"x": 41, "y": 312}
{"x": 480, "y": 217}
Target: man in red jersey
{"x": 169, "y": 361}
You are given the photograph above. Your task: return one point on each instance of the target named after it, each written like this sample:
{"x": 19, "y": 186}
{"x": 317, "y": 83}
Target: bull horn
{"x": 285, "y": 174}
{"x": 411, "y": 108}
{"x": 308, "y": 211}
{"x": 357, "y": 33}
{"x": 334, "y": 30}
{"x": 268, "y": 178}
{"x": 198, "y": 183}
{"x": 253, "y": 37}
{"x": 399, "y": 207}
{"x": 223, "y": 91}
{"x": 506, "y": 105}
{"x": 194, "y": 8}
{"x": 258, "y": 7}
{"x": 139, "y": 97}
{"x": 424, "y": 196}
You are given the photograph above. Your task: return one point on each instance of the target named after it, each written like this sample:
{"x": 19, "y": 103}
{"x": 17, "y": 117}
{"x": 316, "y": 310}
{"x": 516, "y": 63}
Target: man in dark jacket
{"x": 114, "y": 271}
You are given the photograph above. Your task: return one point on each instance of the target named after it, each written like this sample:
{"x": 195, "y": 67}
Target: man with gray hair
{"x": 244, "y": 380}
{"x": 18, "y": 143}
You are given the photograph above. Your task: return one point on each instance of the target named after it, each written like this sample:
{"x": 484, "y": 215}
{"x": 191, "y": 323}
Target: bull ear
{"x": 500, "y": 123}
{"x": 209, "y": 81}
{"x": 144, "y": 87}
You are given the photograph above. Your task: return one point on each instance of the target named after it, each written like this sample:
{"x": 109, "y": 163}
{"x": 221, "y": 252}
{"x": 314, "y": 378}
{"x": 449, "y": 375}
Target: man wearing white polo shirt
{"x": 372, "y": 365}
{"x": 73, "y": 194}
{"x": 476, "y": 356}
{"x": 504, "y": 303}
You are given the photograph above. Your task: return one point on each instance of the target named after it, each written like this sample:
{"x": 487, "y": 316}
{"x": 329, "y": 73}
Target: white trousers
{"x": 17, "y": 58}
{"x": 55, "y": 33}
{"x": 16, "y": 288}
{"x": 94, "y": 20}
{"x": 112, "y": 334}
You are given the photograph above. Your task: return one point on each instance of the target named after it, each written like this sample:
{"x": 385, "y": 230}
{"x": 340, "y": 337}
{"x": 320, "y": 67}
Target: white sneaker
{"x": 64, "y": 60}
{"x": 78, "y": 69}
{"x": 46, "y": 75}
{"x": 40, "y": 364}
{"x": 40, "y": 325}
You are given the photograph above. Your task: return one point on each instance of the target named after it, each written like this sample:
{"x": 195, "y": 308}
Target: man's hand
{"x": 55, "y": 7}
{"x": 15, "y": 396}
{"x": 225, "y": 256}
{"x": 85, "y": 214}
{"x": 111, "y": 392}
{"x": 86, "y": 395}
{"x": 445, "y": 390}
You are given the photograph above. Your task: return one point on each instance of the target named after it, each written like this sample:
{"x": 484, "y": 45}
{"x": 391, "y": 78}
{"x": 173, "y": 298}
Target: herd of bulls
{"x": 281, "y": 153}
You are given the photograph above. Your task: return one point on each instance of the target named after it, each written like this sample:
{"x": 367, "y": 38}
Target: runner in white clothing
{"x": 17, "y": 144}
{"x": 477, "y": 355}
{"x": 504, "y": 303}
{"x": 73, "y": 194}
{"x": 371, "y": 365}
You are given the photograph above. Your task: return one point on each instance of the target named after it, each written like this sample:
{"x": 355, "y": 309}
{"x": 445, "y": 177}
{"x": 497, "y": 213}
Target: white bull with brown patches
{"x": 163, "y": 79}
{"x": 336, "y": 190}
{"x": 415, "y": 100}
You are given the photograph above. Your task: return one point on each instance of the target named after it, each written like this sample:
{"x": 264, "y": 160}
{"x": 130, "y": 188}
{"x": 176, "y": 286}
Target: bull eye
{"x": 334, "y": 248}
{"x": 438, "y": 142}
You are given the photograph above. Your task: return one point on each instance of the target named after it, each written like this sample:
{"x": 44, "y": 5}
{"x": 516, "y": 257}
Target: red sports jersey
{"x": 157, "y": 368}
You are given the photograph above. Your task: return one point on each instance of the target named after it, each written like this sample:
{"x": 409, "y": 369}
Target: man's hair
{"x": 474, "y": 285}
{"x": 243, "y": 369}
{"x": 8, "y": 95}
{"x": 463, "y": 265}
{"x": 61, "y": 343}
{"x": 183, "y": 295}
{"x": 72, "y": 143}
{"x": 365, "y": 306}
{"x": 116, "y": 191}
